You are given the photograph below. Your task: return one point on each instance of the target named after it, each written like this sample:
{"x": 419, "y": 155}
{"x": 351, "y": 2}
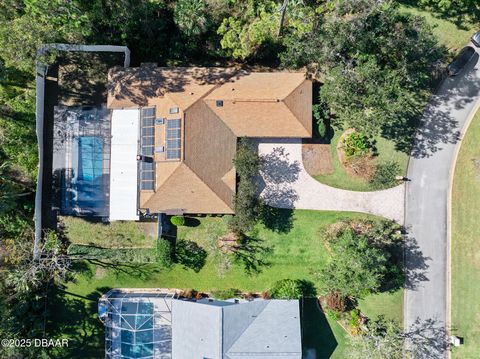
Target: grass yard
{"x": 296, "y": 251}
{"x": 387, "y": 304}
{"x": 339, "y": 177}
{"x": 107, "y": 235}
{"x": 465, "y": 244}
{"x": 446, "y": 31}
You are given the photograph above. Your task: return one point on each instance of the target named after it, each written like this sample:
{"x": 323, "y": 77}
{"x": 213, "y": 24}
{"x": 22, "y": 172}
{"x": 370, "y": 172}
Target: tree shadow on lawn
{"x": 142, "y": 271}
{"x": 318, "y": 341}
{"x": 278, "y": 220}
{"x": 190, "y": 255}
{"x": 252, "y": 253}
{"x": 74, "y": 317}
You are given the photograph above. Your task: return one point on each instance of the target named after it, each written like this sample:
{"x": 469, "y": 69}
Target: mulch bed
{"x": 317, "y": 158}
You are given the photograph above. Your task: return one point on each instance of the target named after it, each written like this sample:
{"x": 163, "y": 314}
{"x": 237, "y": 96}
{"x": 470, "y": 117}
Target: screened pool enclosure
{"x": 137, "y": 325}
{"x": 81, "y": 161}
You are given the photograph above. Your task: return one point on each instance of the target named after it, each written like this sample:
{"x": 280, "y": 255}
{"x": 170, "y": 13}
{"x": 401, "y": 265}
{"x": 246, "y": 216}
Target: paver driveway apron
{"x": 286, "y": 184}
{"x": 427, "y": 203}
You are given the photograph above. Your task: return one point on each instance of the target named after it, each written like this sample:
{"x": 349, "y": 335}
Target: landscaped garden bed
{"x": 340, "y": 177}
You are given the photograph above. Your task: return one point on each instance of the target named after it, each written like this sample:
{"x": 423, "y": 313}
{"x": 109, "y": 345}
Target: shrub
{"x": 121, "y": 255}
{"x": 356, "y": 144}
{"x": 321, "y": 113}
{"x": 226, "y": 293}
{"x": 164, "y": 253}
{"x": 287, "y": 289}
{"x": 355, "y": 319}
{"x": 178, "y": 221}
{"x": 384, "y": 176}
{"x": 322, "y": 129}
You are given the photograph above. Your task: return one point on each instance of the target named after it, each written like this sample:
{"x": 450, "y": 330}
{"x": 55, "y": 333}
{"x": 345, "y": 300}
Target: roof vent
{"x": 219, "y": 103}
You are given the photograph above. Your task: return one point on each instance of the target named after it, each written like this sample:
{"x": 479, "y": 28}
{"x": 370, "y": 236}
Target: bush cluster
{"x": 384, "y": 176}
{"x": 178, "y": 221}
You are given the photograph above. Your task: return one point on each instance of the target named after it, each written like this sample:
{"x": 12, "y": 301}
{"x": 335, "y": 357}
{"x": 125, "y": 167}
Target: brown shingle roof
{"x": 276, "y": 104}
{"x": 185, "y": 191}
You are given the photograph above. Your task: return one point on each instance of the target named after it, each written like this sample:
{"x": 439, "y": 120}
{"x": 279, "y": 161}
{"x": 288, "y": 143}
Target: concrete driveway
{"x": 286, "y": 184}
{"x": 427, "y": 201}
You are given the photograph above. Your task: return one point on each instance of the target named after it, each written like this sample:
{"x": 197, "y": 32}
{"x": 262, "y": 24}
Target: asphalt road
{"x": 426, "y": 217}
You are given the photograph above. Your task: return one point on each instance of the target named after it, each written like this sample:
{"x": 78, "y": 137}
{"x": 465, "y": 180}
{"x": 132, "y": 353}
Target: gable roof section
{"x": 139, "y": 86}
{"x": 216, "y": 330}
{"x": 184, "y": 190}
{"x": 255, "y": 105}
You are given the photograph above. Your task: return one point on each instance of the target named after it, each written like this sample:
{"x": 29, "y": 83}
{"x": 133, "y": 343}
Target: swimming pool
{"x": 90, "y": 158}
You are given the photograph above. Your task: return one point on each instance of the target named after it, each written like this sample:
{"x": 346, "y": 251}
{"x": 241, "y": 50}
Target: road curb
{"x": 458, "y": 146}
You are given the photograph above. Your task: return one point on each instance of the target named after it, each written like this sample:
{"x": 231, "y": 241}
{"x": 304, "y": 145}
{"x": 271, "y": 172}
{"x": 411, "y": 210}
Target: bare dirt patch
{"x": 100, "y": 272}
{"x": 317, "y": 158}
{"x": 228, "y": 243}
{"x": 361, "y": 166}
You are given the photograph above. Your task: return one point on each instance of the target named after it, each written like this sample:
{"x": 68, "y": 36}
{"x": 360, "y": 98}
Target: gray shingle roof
{"x": 260, "y": 329}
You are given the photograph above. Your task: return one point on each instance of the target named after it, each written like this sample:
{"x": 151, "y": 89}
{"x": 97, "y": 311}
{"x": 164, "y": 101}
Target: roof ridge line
{"x": 256, "y": 317}
{"x": 289, "y": 109}
{"x": 205, "y": 183}
{"x": 221, "y": 83}
{"x": 196, "y": 174}
{"x": 166, "y": 179}
{"x": 296, "y": 87}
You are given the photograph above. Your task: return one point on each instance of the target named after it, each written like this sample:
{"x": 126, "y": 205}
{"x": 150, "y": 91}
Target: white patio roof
{"x": 123, "y": 165}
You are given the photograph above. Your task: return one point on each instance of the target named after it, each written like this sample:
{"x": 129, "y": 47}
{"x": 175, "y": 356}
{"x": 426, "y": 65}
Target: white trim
{"x": 123, "y": 165}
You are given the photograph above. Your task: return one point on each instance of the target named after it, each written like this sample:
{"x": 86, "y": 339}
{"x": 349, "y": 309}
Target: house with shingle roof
{"x": 156, "y": 323}
{"x": 186, "y": 121}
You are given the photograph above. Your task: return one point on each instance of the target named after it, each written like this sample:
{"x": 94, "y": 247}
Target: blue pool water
{"x": 90, "y": 158}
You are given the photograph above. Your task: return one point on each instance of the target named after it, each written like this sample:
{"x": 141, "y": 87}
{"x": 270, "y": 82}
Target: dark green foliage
{"x": 460, "y": 11}
{"x": 226, "y": 294}
{"x": 356, "y": 269}
{"x": 320, "y": 115}
{"x": 366, "y": 257}
{"x": 247, "y": 206}
{"x": 190, "y": 255}
{"x": 120, "y": 255}
{"x": 286, "y": 289}
{"x": 292, "y": 289}
{"x": 376, "y": 63}
{"x": 164, "y": 253}
{"x": 178, "y": 221}
{"x": 191, "y": 16}
{"x": 385, "y": 173}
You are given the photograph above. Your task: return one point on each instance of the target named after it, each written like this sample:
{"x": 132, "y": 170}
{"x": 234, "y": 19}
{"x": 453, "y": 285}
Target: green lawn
{"x": 388, "y": 304}
{"x": 446, "y": 31}
{"x": 466, "y": 243}
{"x": 339, "y": 178}
{"x": 296, "y": 252}
{"x": 106, "y": 235}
